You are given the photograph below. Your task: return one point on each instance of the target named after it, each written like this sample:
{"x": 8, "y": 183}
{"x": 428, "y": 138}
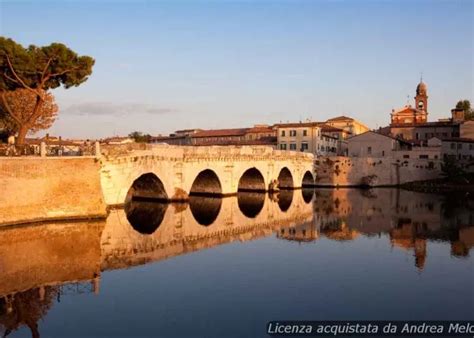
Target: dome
{"x": 421, "y": 89}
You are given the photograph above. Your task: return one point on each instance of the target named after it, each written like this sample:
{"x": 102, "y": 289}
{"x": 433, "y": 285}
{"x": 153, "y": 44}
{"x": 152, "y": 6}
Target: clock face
{"x": 420, "y": 104}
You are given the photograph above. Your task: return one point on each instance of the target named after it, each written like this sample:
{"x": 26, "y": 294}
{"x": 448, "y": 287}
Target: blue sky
{"x": 167, "y": 65}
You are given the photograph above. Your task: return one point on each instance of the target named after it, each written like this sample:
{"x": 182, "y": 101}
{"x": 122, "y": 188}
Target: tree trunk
{"x": 22, "y": 131}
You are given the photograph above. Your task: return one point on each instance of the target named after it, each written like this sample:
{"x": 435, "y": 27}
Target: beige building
{"x": 309, "y": 137}
{"x": 372, "y": 144}
{"x": 466, "y": 130}
{"x": 352, "y": 126}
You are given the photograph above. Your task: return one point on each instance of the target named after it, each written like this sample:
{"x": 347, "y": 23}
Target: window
{"x": 369, "y": 150}
{"x": 283, "y": 146}
{"x": 283, "y": 133}
{"x": 470, "y": 147}
{"x": 406, "y": 156}
{"x": 292, "y": 132}
{"x": 383, "y": 153}
{"x": 304, "y": 146}
{"x": 305, "y": 132}
{"x": 459, "y": 145}
{"x": 293, "y": 146}
{"x": 453, "y": 145}
{"x": 424, "y": 157}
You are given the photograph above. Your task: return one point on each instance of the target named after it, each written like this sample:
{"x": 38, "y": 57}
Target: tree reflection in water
{"x": 205, "y": 209}
{"x": 250, "y": 203}
{"x": 145, "y": 216}
{"x": 26, "y": 309}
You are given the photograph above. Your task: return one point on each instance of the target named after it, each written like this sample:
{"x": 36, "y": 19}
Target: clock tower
{"x": 421, "y": 98}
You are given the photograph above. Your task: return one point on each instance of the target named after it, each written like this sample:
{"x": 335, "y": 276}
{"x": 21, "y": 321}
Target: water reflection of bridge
{"x": 201, "y": 224}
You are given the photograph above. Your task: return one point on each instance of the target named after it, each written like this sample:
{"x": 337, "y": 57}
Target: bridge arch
{"x": 285, "y": 179}
{"x": 147, "y": 186}
{"x": 252, "y": 180}
{"x": 206, "y": 183}
{"x": 308, "y": 179}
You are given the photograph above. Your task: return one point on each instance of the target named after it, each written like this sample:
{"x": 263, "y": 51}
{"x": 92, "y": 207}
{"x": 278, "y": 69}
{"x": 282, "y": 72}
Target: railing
{"x": 44, "y": 149}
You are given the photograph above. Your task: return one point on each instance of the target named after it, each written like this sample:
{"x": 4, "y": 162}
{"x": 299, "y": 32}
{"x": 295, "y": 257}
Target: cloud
{"x": 115, "y": 109}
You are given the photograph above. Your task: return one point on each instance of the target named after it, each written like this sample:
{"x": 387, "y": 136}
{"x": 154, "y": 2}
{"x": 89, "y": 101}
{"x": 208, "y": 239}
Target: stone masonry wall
{"x": 35, "y": 189}
{"x": 347, "y": 171}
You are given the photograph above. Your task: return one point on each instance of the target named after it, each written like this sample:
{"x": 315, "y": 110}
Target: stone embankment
{"x": 47, "y": 188}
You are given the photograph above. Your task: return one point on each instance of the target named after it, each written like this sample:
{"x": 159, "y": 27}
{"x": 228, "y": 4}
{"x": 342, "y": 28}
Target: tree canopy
{"x": 37, "y": 70}
{"x": 466, "y": 106}
{"x": 22, "y": 102}
{"x": 140, "y": 137}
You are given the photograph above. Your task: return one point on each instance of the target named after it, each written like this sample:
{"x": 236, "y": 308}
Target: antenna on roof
{"x": 408, "y": 100}
{"x": 421, "y": 77}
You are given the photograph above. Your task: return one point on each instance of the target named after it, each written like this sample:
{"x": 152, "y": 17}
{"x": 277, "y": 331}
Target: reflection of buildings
{"x": 410, "y": 236}
{"x": 409, "y": 220}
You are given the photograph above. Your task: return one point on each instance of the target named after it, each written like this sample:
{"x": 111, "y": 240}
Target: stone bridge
{"x": 173, "y": 173}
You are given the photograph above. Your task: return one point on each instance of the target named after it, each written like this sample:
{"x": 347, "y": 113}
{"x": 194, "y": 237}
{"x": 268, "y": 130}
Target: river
{"x": 225, "y": 267}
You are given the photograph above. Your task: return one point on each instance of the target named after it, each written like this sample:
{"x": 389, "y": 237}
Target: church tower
{"x": 421, "y": 98}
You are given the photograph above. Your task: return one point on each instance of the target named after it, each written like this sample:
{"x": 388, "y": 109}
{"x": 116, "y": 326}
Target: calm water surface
{"x": 225, "y": 267}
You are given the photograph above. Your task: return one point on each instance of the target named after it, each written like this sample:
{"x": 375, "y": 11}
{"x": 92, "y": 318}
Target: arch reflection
{"x": 205, "y": 209}
{"x": 308, "y": 194}
{"x": 251, "y": 203}
{"x": 145, "y": 216}
{"x": 285, "y": 198}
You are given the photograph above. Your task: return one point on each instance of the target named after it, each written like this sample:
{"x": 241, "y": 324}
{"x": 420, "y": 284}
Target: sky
{"x": 168, "y": 65}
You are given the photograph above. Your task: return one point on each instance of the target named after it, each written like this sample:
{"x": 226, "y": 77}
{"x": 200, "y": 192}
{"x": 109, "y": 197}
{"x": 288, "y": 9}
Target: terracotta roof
{"x": 298, "y": 124}
{"x": 341, "y": 118}
{"x": 261, "y": 129}
{"x": 220, "y": 132}
{"x": 407, "y": 109}
{"x": 270, "y": 141}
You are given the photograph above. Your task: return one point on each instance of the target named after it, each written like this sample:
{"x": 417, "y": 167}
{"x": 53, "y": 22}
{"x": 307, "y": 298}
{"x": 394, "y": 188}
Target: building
{"x": 314, "y": 137}
{"x": 373, "y": 144}
{"x": 257, "y": 135}
{"x": 411, "y": 123}
{"x": 413, "y": 115}
{"x": 348, "y": 124}
{"x": 461, "y": 149}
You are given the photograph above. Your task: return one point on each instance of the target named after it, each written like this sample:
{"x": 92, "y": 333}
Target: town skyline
{"x": 191, "y": 66}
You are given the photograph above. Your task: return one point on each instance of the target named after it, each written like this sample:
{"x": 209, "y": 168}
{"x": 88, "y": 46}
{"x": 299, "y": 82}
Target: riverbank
{"x": 441, "y": 186}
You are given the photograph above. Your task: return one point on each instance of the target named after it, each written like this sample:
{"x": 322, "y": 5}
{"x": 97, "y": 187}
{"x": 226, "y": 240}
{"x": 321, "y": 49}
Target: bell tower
{"x": 421, "y": 98}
